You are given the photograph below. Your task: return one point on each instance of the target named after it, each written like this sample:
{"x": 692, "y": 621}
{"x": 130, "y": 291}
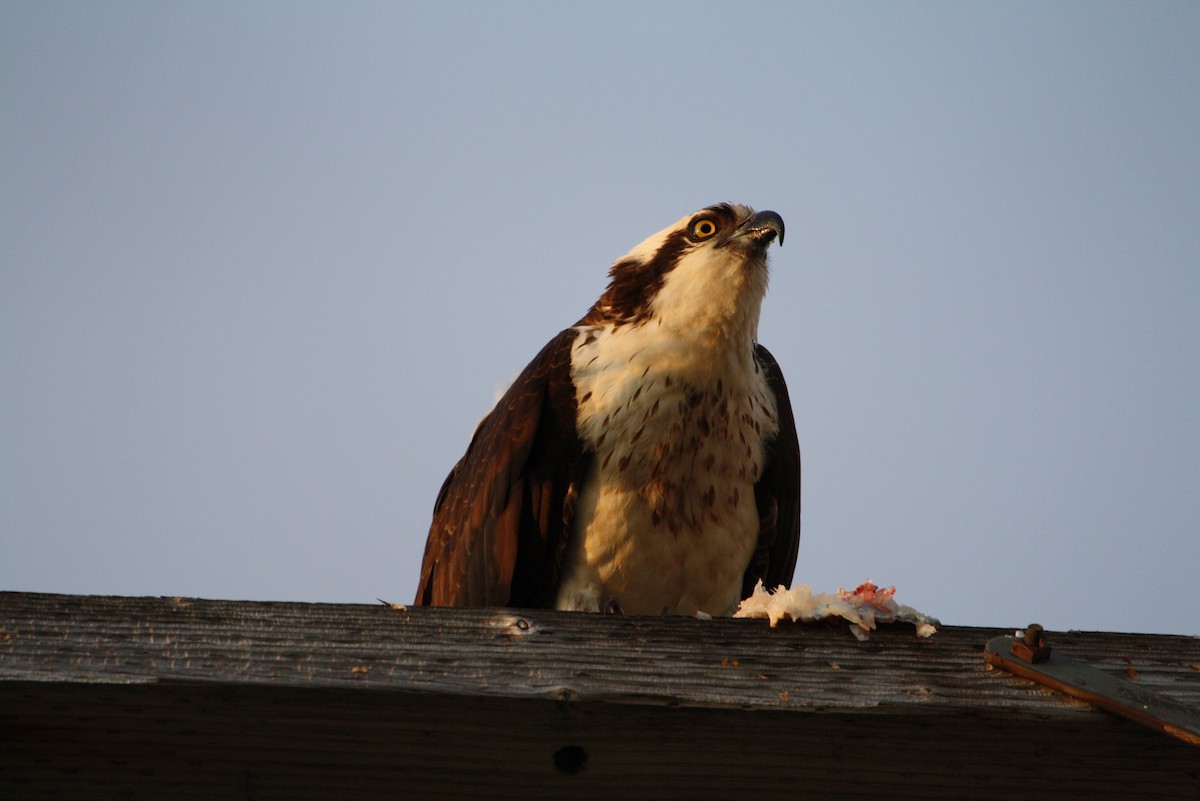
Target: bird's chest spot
{"x": 692, "y": 466}
{"x": 667, "y": 515}
{"x": 685, "y": 434}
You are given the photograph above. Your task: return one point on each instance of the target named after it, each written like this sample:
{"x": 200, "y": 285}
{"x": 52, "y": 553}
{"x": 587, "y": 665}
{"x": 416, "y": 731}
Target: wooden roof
{"x": 184, "y": 698}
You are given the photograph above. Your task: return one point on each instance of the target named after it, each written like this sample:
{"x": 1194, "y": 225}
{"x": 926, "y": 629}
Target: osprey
{"x": 646, "y": 459}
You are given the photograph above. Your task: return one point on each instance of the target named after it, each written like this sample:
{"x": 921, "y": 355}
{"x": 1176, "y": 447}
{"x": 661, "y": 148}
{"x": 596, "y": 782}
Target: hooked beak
{"x": 760, "y": 230}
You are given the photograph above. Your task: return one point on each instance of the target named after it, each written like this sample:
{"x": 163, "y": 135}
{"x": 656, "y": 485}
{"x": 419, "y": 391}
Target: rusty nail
{"x": 1032, "y": 647}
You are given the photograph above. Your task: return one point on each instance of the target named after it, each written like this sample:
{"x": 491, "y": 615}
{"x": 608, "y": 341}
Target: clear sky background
{"x": 264, "y": 265}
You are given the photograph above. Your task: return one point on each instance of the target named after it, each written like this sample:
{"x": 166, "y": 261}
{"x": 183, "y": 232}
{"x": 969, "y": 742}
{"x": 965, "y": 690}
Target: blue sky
{"x": 264, "y": 265}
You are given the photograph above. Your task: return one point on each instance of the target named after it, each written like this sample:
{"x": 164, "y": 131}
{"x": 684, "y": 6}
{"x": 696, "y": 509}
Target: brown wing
{"x": 777, "y": 492}
{"x": 501, "y": 519}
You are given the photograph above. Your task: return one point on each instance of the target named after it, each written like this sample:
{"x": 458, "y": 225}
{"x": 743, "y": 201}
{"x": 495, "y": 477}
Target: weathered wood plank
{"x": 148, "y": 697}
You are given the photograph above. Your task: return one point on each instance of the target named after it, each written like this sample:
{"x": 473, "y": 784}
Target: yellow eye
{"x": 703, "y": 228}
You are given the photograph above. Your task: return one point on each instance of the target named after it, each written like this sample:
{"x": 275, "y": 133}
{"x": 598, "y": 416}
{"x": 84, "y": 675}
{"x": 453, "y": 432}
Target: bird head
{"x": 704, "y": 275}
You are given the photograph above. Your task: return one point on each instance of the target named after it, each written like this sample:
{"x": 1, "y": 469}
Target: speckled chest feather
{"x": 666, "y": 516}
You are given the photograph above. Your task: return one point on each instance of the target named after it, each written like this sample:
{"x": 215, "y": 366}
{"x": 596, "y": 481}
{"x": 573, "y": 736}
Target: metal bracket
{"x": 1031, "y": 658}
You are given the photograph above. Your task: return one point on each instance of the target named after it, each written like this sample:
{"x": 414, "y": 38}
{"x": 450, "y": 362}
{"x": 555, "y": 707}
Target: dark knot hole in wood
{"x": 570, "y": 759}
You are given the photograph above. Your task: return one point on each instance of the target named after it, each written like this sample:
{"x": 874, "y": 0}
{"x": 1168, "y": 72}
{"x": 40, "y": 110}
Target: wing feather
{"x": 777, "y": 492}
{"x": 501, "y": 519}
